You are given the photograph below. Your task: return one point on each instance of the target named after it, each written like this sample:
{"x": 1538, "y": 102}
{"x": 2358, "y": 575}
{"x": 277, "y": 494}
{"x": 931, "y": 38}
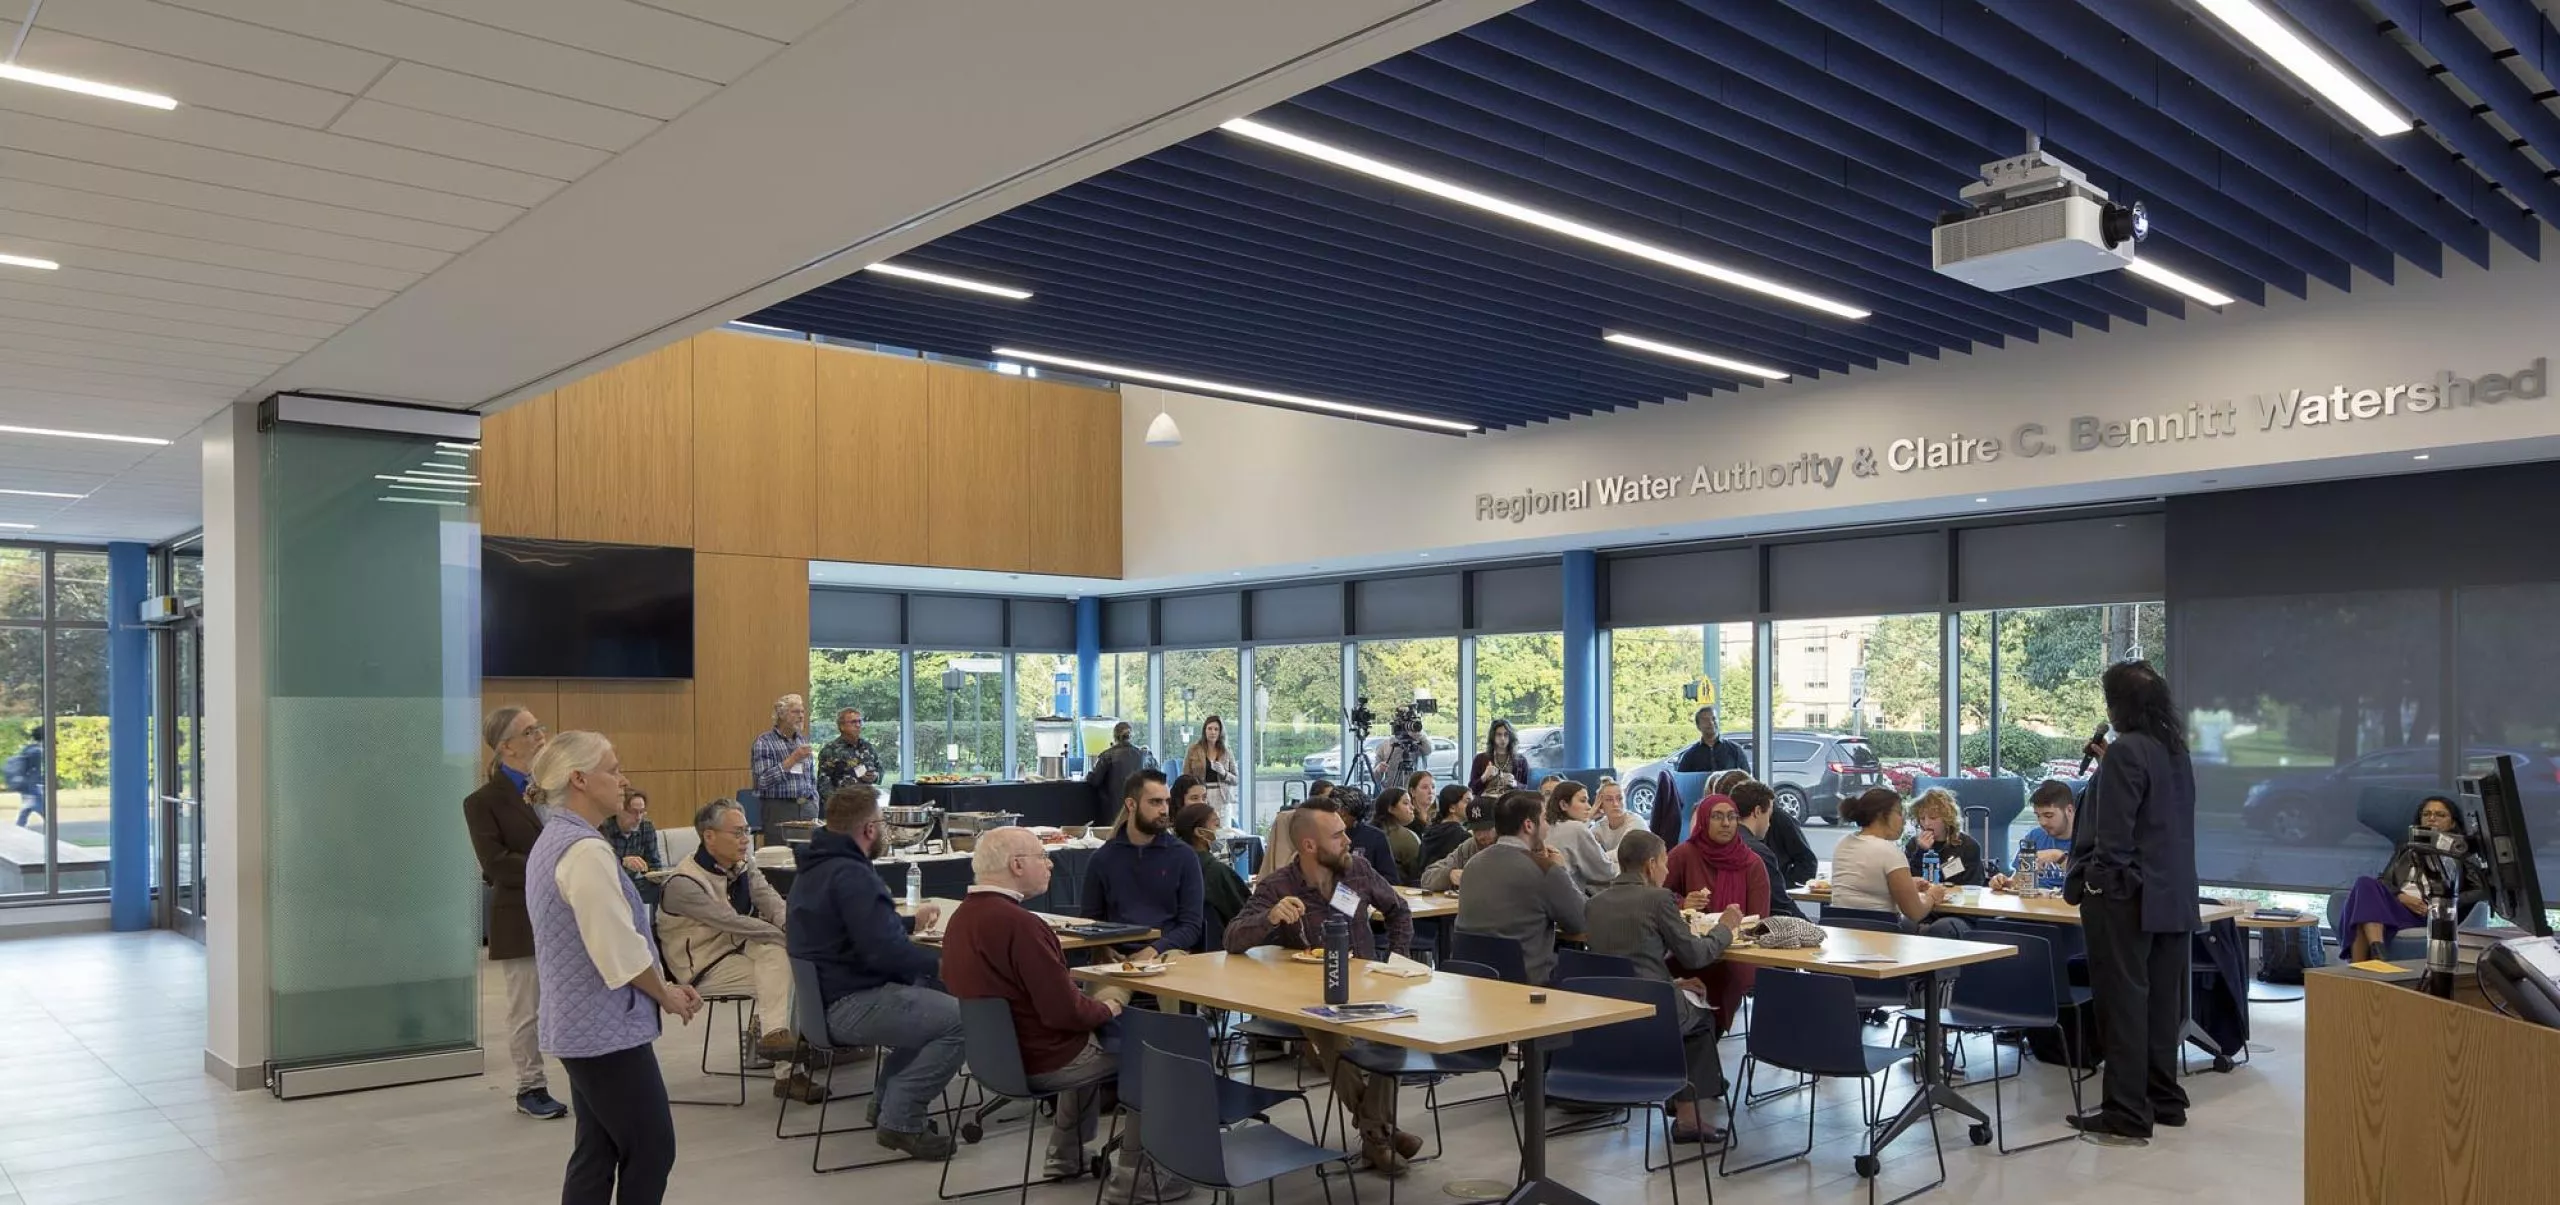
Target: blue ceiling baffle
{"x": 1732, "y": 177}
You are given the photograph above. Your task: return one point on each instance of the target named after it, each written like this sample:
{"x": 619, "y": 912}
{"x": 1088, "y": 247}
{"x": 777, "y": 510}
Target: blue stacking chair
{"x": 2009, "y": 995}
{"x": 1834, "y": 914}
{"x": 818, "y": 1048}
{"x": 1188, "y": 1035}
{"x": 1624, "y": 1065}
{"x": 1583, "y": 964}
{"x": 1815, "y": 1030}
{"x": 1486, "y": 949}
{"x": 1180, "y": 1128}
{"x": 994, "y": 1055}
{"x": 1418, "y": 1068}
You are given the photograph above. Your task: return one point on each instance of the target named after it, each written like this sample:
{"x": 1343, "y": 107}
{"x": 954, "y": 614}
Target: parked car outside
{"x": 1443, "y": 761}
{"x": 2379, "y": 791}
{"x": 1544, "y": 747}
{"x": 1811, "y": 772}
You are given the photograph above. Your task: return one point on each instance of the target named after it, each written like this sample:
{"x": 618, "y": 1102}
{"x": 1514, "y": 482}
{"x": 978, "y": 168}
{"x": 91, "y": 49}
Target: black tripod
{"x": 1360, "y": 772}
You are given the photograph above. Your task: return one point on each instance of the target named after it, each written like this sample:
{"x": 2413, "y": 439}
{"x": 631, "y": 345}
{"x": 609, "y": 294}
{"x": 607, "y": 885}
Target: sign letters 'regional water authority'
{"x": 2264, "y": 413}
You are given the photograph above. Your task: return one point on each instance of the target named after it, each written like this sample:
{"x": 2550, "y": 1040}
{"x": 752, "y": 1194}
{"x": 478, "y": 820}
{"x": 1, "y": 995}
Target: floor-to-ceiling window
{"x": 959, "y": 714}
{"x": 53, "y": 721}
{"x": 1297, "y": 719}
{"x": 866, "y": 680}
{"x": 1044, "y": 685}
{"x": 1660, "y": 676}
{"x": 1520, "y": 679}
{"x": 1198, "y": 684}
{"x": 1853, "y": 703}
{"x": 1405, "y": 673}
{"x": 1121, "y": 694}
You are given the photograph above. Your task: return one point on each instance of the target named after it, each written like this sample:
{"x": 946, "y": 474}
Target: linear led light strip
{"x": 948, "y": 281}
{"x": 122, "y": 439}
{"x": 43, "y": 494}
{"x": 2278, "y": 41}
{"x": 29, "y": 261}
{"x": 1678, "y": 352}
{"x": 1126, "y": 373}
{"x": 1518, "y": 212}
{"x": 2153, "y": 272}
{"x": 444, "y": 481}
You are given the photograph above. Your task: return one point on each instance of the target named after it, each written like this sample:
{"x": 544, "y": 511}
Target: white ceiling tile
{"x": 163, "y": 156}
{"x": 109, "y": 417}
{"x": 192, "y": 82}
{"x": 235, "y": 202}
{"x": 151, "y": 324}
{"x": 29, "y": 197}
{"x": 780, "y": 20}
{"x": 70, "y": 401}
{"x": 470, "y": 141}
{"x": 40, "y": 352}
{"x": 216, "y": 316}
{"x": 89, "y": 279}
{"x": 65, "y": 232}
{"x": 73, "y": 335}
{"x": 475, "y": 49}
{"x": 123, "y": 262}
{"x": 289, "y": 144}
{"x": 625, "y": 31}
{"x": 187, "y": 34}
{"x": 436, "y": 90}
{"x": 31, "y": 377}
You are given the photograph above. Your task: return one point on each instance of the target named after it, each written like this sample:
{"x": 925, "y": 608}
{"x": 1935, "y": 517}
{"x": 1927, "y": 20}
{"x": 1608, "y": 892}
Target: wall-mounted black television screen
{"x": 562, "y": 609}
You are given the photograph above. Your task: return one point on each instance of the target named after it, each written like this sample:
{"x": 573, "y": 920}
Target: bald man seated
{"x": 994, "y": 948}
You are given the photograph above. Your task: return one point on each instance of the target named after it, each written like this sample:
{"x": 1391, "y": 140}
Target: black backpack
{"x": 2284, "y": 954}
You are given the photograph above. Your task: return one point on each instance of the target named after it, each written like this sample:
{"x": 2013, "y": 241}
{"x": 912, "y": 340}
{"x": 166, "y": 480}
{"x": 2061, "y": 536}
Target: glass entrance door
{"x": 178, "y": 721}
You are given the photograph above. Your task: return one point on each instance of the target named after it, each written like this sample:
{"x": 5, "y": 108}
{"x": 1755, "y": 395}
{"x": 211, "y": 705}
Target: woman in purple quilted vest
{"x": 601, "y": 987}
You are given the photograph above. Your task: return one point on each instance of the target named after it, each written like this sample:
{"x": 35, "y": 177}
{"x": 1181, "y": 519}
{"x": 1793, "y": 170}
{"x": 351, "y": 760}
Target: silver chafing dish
{"x": 910, "y": 827}
{"x": 963, "y": 828}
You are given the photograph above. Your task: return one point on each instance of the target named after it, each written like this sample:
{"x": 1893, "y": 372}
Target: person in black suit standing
{"x": 2133, "y": 876}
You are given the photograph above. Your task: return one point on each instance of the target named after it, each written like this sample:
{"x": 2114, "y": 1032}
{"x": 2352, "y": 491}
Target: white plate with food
{"x": 1307, "y": 956}
{"x": 1136, "y": 970}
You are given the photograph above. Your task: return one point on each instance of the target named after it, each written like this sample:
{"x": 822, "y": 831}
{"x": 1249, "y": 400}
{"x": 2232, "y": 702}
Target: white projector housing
{"x": 2035, "y": 220}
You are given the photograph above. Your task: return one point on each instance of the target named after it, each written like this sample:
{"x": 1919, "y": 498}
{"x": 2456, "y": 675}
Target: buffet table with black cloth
{"x": 1057, "y": 804}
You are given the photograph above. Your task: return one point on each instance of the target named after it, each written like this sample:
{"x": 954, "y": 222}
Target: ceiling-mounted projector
{"x": 2035, "y": 220}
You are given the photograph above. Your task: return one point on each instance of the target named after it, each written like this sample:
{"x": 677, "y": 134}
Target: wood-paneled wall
{"x": 760, "y": 454}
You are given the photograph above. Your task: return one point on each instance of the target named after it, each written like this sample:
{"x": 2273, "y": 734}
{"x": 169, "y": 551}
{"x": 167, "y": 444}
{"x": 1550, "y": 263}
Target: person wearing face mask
{"x": 720, "y": 925}
{"x": 503, "y": 829}
{"x": 786, "y": 779}
{"x": 1636, "y": 918}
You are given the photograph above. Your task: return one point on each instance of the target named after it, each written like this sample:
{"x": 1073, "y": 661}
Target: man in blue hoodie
{"x": 1144, "y": 875}
{"x": 880, "y": 988}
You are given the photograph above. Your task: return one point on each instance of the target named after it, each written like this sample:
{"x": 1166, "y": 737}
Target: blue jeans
{"x": 918, "y": 1032}
{"x": 30, "y": 803}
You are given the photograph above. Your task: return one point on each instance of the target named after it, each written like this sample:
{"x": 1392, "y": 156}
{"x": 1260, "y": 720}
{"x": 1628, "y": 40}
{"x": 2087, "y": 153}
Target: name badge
{"x": 1952, "y": 868}
{"x": 1346, "y": 901}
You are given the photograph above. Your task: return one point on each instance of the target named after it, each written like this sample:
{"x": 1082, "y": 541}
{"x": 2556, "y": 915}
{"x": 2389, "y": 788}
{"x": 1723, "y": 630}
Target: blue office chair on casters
{"x": 994, "y": 1055}
{"x": 1623, "y": 1065}
{"x": 2009, "y": 995}
{"x": 818, "y": 1048}
{"x": 1180, "y": 1128}
{"x": 1815, "y": 1030}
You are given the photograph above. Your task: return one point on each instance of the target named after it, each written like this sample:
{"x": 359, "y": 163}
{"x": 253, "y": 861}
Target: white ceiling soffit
{"x": 895, "y": 122}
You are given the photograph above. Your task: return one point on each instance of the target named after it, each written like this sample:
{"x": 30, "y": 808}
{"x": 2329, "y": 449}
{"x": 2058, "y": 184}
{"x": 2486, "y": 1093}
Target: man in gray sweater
{"x": 1518, "y": 888}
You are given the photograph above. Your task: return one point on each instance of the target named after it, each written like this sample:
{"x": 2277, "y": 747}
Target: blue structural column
{"x": 1581, "y": 658}
{"x": 1088, "y": 666}
{"x": 128, "y": 738}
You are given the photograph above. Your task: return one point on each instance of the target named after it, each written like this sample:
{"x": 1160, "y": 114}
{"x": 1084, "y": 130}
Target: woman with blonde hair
{"x": 1209, "y": 761}
{"x": 1939, "y": 826}
{"x": 602, "y": 987}
{"x": 1611, "y": 821}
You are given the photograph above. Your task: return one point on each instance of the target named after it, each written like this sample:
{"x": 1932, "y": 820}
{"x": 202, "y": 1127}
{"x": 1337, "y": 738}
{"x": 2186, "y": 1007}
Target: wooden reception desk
{"x": 2413, "y": 1100}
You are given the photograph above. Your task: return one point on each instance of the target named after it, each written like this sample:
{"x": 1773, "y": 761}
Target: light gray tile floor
{"x": 101, "y": 1101}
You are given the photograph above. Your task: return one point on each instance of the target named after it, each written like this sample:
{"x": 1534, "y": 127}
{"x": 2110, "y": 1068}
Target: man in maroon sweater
{"x": 995, "y": 948}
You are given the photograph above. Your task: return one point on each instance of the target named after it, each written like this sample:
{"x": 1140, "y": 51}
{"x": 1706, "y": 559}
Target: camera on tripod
{"x": 2426, "y": 840}
{"x": 1362, "y": 718}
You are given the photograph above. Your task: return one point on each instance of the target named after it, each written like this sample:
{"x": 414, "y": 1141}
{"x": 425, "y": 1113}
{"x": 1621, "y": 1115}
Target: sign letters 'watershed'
{"x": 2281, "y": 411}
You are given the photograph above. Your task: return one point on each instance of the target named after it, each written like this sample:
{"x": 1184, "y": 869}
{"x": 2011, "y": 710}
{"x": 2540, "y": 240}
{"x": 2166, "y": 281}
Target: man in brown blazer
{"x": 503, "y": 828}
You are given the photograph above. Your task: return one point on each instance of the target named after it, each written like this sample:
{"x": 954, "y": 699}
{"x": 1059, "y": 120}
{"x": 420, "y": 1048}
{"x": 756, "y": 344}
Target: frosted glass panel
{"x": 372, "y": 890}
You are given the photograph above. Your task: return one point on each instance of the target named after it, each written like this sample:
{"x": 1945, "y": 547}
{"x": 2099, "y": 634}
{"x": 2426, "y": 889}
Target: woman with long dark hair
{"x": 2380, "y": 906}
{"x": 1222, "y": 891}
{"x": 2133, "y": 876}
{"x": 1501, "y": 753}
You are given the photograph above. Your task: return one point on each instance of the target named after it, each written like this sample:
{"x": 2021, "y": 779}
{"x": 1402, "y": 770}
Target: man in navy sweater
{"x": 1144, "y": 875}
{"x": 880, "y": 987}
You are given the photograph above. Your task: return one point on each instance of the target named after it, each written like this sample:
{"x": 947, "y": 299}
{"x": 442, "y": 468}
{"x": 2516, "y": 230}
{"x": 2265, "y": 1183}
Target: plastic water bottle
{"x": 1337, "y": 960}
{"x": 2030, "y": 872}
{"x": 915, "y": 887}
{"x": 1929, "y": 866}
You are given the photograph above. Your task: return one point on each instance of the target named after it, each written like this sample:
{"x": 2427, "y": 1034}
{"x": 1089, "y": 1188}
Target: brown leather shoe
{"x": 1382, "y": 1158}
{"x": 800, "y": 1088}
{"x": 1407, "y": 1144}
{"x": 777, "y": 1044}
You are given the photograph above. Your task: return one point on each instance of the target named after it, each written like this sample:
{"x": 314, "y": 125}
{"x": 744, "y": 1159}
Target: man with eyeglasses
{"x": 503, "y": 829}
{"x": 786, "y": 780}
{"x": 720, "y": 930}
{"x": 847, "y": 760}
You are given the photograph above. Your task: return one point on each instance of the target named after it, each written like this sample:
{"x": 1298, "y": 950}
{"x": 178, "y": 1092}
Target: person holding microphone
{"x": 2133, "y": 877}
{"x": 601, "y": 985}
{"x": 786, "y": 779}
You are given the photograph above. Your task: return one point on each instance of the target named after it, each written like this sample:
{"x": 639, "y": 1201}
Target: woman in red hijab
{"x": 1714, "y": 861}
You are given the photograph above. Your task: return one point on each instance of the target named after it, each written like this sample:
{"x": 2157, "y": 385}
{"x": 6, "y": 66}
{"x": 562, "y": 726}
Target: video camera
{"x": 1362, "y": 718}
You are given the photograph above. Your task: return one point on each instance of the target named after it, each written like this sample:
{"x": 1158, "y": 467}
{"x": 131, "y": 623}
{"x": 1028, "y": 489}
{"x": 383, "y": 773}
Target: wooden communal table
{"x": 1427, "y": 905}
{"x": 1904, "y": 956}
{"x": 2002, "y": 905}
{"x": 1452, "y": 1012}
{"x": 1057, "y": 924}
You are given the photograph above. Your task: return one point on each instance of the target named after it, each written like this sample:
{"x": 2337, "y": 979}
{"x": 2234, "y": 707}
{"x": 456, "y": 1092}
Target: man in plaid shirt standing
{"x": 786, "y": 780}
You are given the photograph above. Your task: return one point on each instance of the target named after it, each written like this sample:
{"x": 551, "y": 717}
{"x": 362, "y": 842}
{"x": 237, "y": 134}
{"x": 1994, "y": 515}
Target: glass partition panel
{"x": 1853, "y": 703}
{"x": 1402, "y": 673}
{"x": 1297, "y": 720}
{"x": 867, "y": 681}
{"x": 1519, "y": 678}
{"x": 2314, "y": 722}
{"x": 959, "y": 715}
{"x": 372, "y": 736}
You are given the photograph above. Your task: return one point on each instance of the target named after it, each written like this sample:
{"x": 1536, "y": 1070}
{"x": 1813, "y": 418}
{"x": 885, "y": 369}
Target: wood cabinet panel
{"x": 1073, "y": 509}
{"x": 978, "y": 453}
{"x": 750, "y": 646}
{"x": 873, "y": 459}
{"x": 626, "y": 458}
{"x": 670, "y": 793}
{"x": 519, "y": 494}
{"x": 755, "y": 460}
{"x": 649, "y": 723}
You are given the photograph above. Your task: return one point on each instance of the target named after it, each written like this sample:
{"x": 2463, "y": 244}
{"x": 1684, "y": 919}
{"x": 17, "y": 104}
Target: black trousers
{"x": 626, "y": 1131}
{"x": 2139, "y": 982}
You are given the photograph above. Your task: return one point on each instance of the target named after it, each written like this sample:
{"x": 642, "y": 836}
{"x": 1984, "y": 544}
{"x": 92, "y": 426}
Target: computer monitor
{"x": 2515, "y": 888}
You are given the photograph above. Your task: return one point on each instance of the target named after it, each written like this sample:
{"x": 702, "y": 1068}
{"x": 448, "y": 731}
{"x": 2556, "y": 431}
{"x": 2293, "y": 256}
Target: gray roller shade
{"x": 2101, "y": 559}
{"x": 1524, "y": 598}
{"x": 1866, "y": 575}
{"x": 1197, "y": 619}
{"x": 856, "y": 619}
{"x": 1679, "y": 587}
{"x": 1428, "y": 605}
{"x": 1045, "y": 625}
{"x": 1298, "y": 612}
{"x": 957, "y": 623}
{"x": 1128, "y": 624}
